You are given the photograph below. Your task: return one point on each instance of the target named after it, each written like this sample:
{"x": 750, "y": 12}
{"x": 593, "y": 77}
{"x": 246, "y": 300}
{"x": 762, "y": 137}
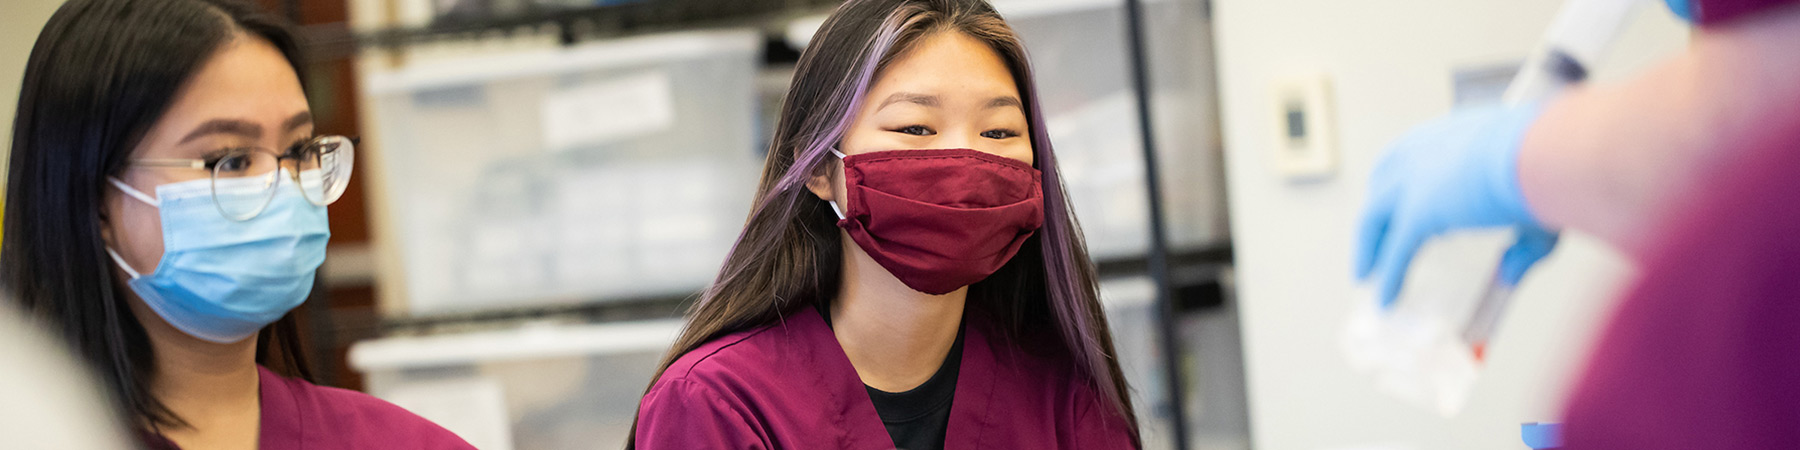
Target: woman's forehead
{"x": 247, "y": 91}
{"x": 951, "y": 65}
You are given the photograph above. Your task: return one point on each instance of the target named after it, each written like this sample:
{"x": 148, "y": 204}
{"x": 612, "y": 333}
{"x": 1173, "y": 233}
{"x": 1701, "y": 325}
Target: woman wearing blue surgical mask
{"x": 166, "y": 213}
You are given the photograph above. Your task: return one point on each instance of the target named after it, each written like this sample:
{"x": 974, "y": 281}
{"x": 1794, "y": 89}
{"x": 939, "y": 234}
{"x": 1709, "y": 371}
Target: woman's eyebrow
{"x": 930, "y": 101}
{"x": 302, "y": 119}
{"x": 243, "y": 128}
{"x": 1005, "y": 101}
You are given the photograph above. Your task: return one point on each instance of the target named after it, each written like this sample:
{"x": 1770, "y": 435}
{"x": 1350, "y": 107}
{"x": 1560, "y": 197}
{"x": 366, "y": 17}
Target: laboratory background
{"x": 543, "y": 186}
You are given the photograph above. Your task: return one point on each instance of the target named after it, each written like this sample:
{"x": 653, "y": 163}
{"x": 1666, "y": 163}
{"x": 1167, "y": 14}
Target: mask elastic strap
{"x": 122, "y": 265}
{"x": 834, "y": 209}
{"x": 134, "y": 193}
{"x": 834, "y": 205}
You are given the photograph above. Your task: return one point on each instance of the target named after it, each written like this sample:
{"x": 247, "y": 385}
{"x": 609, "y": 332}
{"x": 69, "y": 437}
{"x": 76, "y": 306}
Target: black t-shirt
{"x": 918, "y": 419}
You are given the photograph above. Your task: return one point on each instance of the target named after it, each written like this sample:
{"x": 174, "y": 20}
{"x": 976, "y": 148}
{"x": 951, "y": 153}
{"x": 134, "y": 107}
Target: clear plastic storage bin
{"x": 610, "y": 170}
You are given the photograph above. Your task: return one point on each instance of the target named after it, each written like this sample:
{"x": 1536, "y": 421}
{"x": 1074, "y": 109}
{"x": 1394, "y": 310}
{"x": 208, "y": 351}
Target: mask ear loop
{"x": 834, "y": 204}
{"x": 140, "y": 196}
{"x": 122, "y": 265}
{"x": 134, "y": 193}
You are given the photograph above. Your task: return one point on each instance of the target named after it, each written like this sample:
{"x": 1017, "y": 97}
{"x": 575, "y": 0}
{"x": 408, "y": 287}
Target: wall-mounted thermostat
{"x": 1305, "y": 133}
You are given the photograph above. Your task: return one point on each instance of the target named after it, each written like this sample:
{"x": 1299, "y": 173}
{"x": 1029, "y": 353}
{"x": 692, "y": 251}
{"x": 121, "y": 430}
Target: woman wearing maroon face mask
{"x": 910, "y": 275}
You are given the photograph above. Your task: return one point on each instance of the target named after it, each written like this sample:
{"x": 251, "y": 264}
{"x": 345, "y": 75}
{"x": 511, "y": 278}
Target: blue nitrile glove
{"x": 1682, "y": 8}
{"x": 1456, "y": 172}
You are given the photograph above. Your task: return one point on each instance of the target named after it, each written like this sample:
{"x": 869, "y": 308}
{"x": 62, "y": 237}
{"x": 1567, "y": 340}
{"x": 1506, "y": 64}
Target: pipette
{"x": 1581, "y": 32}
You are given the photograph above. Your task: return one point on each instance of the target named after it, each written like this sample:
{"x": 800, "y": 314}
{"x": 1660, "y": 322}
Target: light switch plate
{"x": 1305, "y": 128}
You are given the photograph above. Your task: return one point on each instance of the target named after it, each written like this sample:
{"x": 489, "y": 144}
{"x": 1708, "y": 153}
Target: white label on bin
{"x": 609, "y": 111}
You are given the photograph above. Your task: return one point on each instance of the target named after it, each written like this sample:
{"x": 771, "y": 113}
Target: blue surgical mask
{"x": 219, "y": 279}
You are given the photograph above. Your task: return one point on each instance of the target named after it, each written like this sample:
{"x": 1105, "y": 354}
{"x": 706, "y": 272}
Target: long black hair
{"x": 101, "y": 74}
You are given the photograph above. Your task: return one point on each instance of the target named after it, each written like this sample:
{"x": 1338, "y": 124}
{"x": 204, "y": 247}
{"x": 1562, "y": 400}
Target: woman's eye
{"x": 999, "y": 134}
{"x": 915, "y": 130}
{"x": 232, "y": 163}
{"x": 299, "y": 149}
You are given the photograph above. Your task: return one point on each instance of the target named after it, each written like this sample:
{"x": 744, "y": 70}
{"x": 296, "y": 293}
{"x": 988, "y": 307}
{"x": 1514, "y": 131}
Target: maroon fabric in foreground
{"x": 789, "y": 386}
{"x": 1704, "y": 353}
{"x": 1711, "y": 12}
{"x": 298, "y": 415}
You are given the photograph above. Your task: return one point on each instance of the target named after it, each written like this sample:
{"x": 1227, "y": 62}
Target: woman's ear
{"x": 821, "y": 183}
{"x": 104, "y": 217}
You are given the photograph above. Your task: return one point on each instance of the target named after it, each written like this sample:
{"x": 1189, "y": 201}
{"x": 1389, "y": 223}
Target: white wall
{"x": 20, "y": 21}
{"x": 1390, "y": 64}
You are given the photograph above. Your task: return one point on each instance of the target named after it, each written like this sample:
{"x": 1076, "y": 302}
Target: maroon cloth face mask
{"x": 940, "y": 219}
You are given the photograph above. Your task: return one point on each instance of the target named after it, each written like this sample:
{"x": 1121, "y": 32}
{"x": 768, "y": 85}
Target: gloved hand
{"x": 1682, "y": 8}
{"x": 1456, "y": 172}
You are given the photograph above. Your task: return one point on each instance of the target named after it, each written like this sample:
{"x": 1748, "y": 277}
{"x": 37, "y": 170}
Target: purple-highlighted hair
{"x": 789, "y": 254}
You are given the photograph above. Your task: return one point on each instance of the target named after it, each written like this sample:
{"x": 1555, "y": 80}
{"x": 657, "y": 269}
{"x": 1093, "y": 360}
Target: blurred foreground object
{"x": 1442, "y": 179}
{"x": 47, "y": 401}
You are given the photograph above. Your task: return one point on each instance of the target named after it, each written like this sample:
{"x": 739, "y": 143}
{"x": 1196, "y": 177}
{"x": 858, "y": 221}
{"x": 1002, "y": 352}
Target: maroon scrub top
{"x": 789, "y": 386}
{"x": 297, "y": 415}
{"x": 1704, "y": 353}
{"x": 1712, "y": 12}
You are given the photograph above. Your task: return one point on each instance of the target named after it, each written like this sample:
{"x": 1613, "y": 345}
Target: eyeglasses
{"x": 244, "y": 179}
